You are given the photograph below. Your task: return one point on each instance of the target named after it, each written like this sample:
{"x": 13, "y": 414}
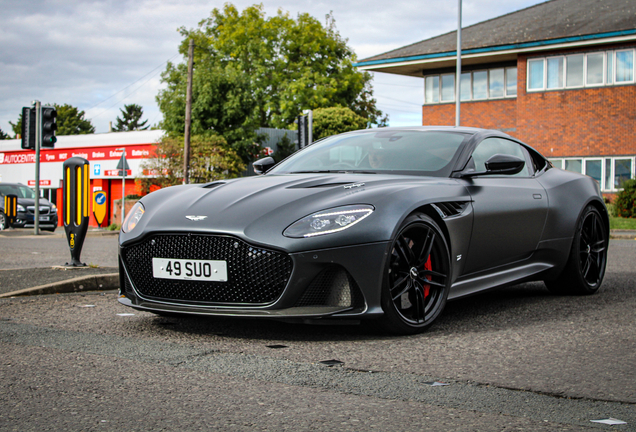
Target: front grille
{"x": 334, "y": 286}
{"x": 43, "y": 210}
{"x": 256, "y": 276}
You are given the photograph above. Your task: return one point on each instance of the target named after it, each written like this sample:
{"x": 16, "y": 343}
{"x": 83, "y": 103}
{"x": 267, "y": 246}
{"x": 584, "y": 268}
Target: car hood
{"x": 31, "y": 202}
{"x": 258, "y": 209}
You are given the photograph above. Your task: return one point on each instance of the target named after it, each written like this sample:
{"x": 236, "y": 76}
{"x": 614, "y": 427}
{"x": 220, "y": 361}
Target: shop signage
{"x": 143, "y": 151}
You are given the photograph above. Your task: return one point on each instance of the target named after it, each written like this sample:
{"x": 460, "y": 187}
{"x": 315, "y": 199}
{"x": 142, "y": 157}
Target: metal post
{"x": 458, "y": 73}
{"x": 188, "y": 116}
{"x": 38, "y": 143}
{"x": 123, "y": 189}
{"x": 310, "y": 126}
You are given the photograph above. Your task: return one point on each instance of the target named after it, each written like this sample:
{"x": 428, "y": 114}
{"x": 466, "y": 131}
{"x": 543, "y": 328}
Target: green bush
{"x": 331, "y": 121}
{"x": 113, "y": 227}
{"x": 625, "y": 203}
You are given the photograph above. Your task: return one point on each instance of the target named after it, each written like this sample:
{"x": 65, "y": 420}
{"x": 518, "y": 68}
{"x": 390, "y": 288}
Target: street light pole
{"x": 458, "y": 73}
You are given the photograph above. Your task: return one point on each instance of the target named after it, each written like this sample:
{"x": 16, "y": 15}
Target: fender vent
{"x": 451, "y": 208}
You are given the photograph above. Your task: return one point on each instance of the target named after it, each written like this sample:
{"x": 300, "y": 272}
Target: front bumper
{"x": 26, "y": 220}
{"x": 314, "y": 289}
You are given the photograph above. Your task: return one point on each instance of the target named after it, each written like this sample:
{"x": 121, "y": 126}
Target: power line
{"x": 398, "y": 100}
{"x": 129, "y": 85}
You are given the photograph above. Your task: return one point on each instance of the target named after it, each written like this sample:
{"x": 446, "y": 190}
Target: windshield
{"x": 20, "y": 191}
{"x": 429, "y": 153}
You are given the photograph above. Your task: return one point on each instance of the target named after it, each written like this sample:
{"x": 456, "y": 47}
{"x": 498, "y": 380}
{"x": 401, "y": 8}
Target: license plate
{"x": 204, "y": 270}
{"x": 44, "y": 218}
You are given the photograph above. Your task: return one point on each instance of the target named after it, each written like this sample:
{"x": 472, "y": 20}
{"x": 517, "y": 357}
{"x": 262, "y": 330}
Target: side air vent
{"x": 450, "y": 209}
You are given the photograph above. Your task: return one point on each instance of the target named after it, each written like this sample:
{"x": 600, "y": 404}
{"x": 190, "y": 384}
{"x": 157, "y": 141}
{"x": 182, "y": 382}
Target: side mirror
{"x": 504, "y": 164}
{"x": 262, "y": 165}
{"x": 498, "y": 164}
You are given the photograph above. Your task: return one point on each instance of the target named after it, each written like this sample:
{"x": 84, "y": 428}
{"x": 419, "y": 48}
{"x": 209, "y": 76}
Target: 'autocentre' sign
{"x": 141, "y": 151}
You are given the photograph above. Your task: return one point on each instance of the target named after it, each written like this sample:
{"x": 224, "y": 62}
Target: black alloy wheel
{"x": 417, "y": 278}
{"x": 584, "y": 272}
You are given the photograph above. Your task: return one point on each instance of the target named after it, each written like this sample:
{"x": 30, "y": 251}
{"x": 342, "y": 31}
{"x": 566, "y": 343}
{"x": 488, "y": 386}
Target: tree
{"x": 221, "y": 104}
{"x": 284, "y": 148}
{"x": 70, "y": 121}
{"x": 272, "y": 67}
{"x": 210, "y": 160}
{"x": 331, "y": 121}
{"x": 131, "y": 120}
{"x": 4, "y": 136}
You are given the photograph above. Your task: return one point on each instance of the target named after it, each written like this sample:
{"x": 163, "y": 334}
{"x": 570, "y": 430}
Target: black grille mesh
{"x": 255, "y": 275}
{"x": 332, "y": 287}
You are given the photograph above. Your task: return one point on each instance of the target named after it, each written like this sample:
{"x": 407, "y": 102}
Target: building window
{"x": 478, "y": 85}
{"x": 535, "y": 70}
{"x": 555, "y": 72}
{"x": 574, "y": 70}
{"x": 594, "y": 71}
{"x": 581, "y": 70}
{"x": 624, "y": 66}
{"x": 448, "y": 88}
{"x": 622, "y": 172}
{"x": 609, "y": 172}
{"x": 432, "y": 89}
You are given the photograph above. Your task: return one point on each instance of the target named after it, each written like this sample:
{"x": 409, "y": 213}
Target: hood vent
{"x": 213, "y": 185}
{"x": 451, "y": 208}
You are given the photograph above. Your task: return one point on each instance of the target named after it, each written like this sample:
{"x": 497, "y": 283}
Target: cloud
{"x": 84, "y": 52}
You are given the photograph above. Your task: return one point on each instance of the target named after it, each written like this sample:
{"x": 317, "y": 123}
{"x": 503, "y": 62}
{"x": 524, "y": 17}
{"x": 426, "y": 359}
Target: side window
{"x": 492, "y": 146}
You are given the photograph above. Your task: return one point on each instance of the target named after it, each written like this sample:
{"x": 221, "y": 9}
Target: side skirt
{"x": 476, "y": 284}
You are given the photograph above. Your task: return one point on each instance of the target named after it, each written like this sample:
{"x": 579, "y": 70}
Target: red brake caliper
{"x": 427, "y": 266}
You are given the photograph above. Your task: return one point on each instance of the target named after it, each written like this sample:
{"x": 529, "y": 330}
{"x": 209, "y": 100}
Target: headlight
{"x": 133, "y": 218}
{"x": 20, "y": 208}
{"x": 328, "y": 221}
{"x": 53, "y": 208}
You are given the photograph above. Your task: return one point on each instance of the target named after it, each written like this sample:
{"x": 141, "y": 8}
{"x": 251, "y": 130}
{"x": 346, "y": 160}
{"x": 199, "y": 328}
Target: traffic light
{"x": 49, "y": 126}
{"x": 28, "y": 128}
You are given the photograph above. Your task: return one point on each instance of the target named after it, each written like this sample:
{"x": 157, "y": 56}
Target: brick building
{"x": 559, "y": 76}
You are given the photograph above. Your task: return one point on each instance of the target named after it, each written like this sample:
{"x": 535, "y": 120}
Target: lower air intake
{"x": 332, "y": 287}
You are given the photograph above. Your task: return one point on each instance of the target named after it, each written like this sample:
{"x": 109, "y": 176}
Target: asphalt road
{"x": 514, "y": 359}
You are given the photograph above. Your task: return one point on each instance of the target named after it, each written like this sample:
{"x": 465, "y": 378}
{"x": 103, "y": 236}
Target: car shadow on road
{"x": 515, "y": 306}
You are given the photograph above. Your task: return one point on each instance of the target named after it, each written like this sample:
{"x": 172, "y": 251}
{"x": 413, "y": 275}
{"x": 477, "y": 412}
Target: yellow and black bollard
{"x": 76, "y": 215}
{"x": 10, "y": 209}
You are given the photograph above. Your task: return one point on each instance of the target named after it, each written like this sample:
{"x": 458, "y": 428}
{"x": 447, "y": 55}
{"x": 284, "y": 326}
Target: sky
{"x": 100, "y": 55}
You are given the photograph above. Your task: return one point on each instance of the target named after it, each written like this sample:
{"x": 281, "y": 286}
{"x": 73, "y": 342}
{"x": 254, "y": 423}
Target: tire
{"x": 585, "y": 268}
{"x": 50, "y": 229}
{"x": 3, "y": 222}
{"x": 417, "y": 277}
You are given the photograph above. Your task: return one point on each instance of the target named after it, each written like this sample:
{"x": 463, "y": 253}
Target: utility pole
{"x": 38, "y": 144}
{"x": 458, "y": 72}
{"x": 188, "y": 116}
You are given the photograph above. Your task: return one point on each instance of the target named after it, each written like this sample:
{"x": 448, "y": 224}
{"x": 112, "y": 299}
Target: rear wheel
{"x": 417, "y": 277}
{"x": 585, "y": 269}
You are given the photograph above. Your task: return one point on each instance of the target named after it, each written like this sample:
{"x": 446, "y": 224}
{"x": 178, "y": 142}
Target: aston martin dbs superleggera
{"x": 384, "y": 224}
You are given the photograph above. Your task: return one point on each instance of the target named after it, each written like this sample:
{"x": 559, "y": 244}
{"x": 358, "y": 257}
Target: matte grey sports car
{"x": 384, "y": 224}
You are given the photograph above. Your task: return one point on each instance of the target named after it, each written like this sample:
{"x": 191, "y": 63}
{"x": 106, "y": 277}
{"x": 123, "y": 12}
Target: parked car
{"x": 384, "y": 224}
{"x": 26, "y": 208}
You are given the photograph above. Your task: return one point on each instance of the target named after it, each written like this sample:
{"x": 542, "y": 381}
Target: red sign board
{"x": 116, "y": 173}
{"x": 42, "y": 182}
{"x": 140, "y": 151}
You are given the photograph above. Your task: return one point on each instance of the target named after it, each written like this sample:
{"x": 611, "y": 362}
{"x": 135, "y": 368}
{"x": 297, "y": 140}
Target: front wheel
{"x": 585, "y": 269}
{"x": 417, "y": 277}
{"x": 3, "y": 222}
